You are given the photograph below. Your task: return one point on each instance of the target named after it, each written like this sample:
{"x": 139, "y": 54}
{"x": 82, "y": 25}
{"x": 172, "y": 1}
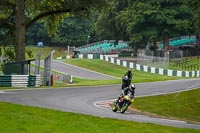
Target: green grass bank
{"x": 23, "y": 119}
{"x": 182, "y": 106}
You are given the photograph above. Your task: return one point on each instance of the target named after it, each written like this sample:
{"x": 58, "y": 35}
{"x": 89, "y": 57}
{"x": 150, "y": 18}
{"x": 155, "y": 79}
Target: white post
{"x": 67, "y": 49}
{"x": 50, "y": 73}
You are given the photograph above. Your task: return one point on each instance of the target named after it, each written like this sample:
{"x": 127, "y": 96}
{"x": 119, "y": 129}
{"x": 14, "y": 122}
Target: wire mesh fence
{"x": 154, "y": 61}
{"x": 58, "y": 78}
{"x": 178, "y": 59}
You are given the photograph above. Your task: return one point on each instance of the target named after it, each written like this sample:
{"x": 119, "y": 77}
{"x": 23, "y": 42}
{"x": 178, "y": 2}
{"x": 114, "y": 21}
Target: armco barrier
{"x": 34, "y": 81}
{"x": 160, "y": 71}
{"x": 81, "y": 56}
{"x": 139, "y": 67}
{"x": 20, "y": 81}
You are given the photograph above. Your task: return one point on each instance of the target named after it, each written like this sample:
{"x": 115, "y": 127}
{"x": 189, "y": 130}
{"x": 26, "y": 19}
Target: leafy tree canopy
{"x": 21, "y": 14}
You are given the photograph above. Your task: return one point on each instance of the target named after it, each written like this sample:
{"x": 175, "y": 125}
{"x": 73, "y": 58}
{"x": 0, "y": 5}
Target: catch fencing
{"x": 58, "y": 78}
{"x": 153, "y": 61}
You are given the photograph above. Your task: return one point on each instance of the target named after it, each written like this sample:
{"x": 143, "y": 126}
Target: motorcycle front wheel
{"x": 124, "y": 107}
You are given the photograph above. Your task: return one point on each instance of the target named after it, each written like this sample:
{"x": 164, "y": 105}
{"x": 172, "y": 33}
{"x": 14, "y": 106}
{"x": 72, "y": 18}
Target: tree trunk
{"x": 198, "y": 41}
{"x": 198, "y": 45}
{"x": 154, "y": 47}
{"x": 135, "y": 48}
{"x": 20, "y": 31}
{"x": 166, "y": 42}
{"x": 116, "y": 38}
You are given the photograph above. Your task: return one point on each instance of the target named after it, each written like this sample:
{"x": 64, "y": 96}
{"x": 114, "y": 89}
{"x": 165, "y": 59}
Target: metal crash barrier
{"x": 20, "y": 81}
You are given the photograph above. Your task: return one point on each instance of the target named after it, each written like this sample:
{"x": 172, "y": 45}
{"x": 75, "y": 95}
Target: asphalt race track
{"x": 85, "y": 100}
{"x": 77, "y": 71}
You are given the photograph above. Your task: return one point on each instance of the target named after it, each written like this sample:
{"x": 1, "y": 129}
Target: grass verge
{"x": 183, "y": 106}
{"x": 60, "y": 51}
{"x": 20, "y": 118}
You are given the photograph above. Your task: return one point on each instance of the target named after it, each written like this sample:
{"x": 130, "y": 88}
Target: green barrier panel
{"x": 183, "y": 74}
{"x": 190, "y": 74}
{"x": 174, "y": 73}
{"x": 121, "y": 62}
{"x": 85, "y": 56}
{"x": 115, "y": 61}
{"x": 165, "y": 72}
{"x": 109, "y": 59}
{"x": 31, "y": 80}
{"x": 141, "y": 68}
{"x": 5, "y": 81}
{"x": 5, "y": 84}
{"x": 128, "y": 63}
{"x": 149, "y": 69}
{"x": 96, "y": 56}
{"x": 157, "y": 70}
{"x": 5, "y": 78}
{"x": 134, "y": 66}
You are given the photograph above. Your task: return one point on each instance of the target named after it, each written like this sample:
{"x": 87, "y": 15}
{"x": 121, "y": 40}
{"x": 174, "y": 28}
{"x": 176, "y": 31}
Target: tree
{"x": 73, "y": 31}
{"x": 195, "y": 8}
{"x": 107, "y": 26}
{"x": 137, "y": 19}
{"x": 22, "y": 14}
{"x": 36, "y": 33}
{"x": 20, "y": 30}
{"x": 153, "y": 19}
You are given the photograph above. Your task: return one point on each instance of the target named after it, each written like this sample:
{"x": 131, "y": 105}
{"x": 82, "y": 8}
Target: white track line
{"x": 105, "y": 105}
{"x": 2, "y": 92}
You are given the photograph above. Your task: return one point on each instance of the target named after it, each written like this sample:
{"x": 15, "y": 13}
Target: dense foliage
{"x": 67, "y": 22}
{"x": 73, "y": 31}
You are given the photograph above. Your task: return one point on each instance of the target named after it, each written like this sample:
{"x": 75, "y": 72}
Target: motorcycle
{"x": 123, "y": 103}
{"x": 125, "y": 82}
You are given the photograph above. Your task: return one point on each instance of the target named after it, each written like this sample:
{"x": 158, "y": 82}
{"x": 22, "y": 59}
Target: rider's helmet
{"x": 132, "y": 88}
{"x": 129, "y": 71}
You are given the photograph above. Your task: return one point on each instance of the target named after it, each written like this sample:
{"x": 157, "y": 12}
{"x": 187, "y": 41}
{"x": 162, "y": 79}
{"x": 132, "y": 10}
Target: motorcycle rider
{"x": 126, "y": 79}
{"x": 124, "y": 100}
{"x": 129, "y": 74}
{"x": 131, "y": 89}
